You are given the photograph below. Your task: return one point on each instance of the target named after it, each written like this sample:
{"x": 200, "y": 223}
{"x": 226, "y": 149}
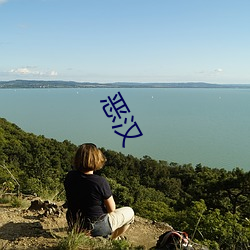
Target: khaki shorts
{"x": 120, "y": 217}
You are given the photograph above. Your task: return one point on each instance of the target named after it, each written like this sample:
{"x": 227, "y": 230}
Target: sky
{"x": 125, "y": 40}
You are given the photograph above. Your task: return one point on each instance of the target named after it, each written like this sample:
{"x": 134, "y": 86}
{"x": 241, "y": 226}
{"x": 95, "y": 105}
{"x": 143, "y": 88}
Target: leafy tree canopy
{"x": 213, "y": 204}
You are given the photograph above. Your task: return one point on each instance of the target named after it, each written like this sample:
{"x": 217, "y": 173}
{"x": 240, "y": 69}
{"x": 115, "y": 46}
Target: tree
{"x": 154, "y": 210}
{"x": 121, "y": 194}
{"x": 237, "y": 189}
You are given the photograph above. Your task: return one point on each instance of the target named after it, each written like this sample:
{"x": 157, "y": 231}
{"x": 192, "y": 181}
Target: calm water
{"x": 207, "y": 126}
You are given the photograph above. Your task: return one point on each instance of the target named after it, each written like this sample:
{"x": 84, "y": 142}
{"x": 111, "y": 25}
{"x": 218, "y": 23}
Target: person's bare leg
{"x": 119, "y": 231}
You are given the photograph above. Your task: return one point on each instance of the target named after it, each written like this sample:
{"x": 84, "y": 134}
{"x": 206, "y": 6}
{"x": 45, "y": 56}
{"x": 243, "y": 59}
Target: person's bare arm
{"x": 110, "y": 204}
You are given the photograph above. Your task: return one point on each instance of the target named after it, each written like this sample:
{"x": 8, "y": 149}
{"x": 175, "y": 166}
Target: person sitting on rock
{"x": 90, "y": 202}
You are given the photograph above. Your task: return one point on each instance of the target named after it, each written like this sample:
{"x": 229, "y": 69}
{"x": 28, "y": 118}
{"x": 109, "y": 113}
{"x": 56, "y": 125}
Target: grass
{"x": 14, "y": 201}
{"x": 4, "y": 200}
{"x": 19, "y": 202}
{"x": 83, "y": 241}
{"x": 75, "y": 241}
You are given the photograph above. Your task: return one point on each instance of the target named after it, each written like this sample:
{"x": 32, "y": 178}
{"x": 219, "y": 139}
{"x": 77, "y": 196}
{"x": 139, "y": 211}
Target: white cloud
{"x": 211, "y": 72}
{"x": 218, "y": 70}
{"x": 2, "y": 1}
{"x": 22, "y": 71}
{"x": 53, "y": 73}
{"x": 32, "y": 71}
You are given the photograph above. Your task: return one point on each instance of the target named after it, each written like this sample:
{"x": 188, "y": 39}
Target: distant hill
{"x": 71, "y": 84}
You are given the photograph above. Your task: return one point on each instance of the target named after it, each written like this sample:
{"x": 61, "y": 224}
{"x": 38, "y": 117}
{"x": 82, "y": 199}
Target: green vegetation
{"x": 211, "y": 205}
{"x": 81, "y": 241}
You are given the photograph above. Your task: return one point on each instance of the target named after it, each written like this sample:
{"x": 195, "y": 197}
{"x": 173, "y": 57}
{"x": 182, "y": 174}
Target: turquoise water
{"x": 207, "y": 126}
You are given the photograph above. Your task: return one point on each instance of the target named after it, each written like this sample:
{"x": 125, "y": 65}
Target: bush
{"x": 152, "y": 210}
{"x": 19, "y": 202}
{"x": 75, "y": 241}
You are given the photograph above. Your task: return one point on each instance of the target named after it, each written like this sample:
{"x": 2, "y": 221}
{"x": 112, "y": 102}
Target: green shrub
{"x": 18, "y": 202}
{"x": 75, "y": 241}
{"x": 152, "y": 210}
{"x": 5, "y": 200}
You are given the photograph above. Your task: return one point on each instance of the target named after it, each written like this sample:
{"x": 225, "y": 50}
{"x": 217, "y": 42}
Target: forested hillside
{"x": 212, "y": 205}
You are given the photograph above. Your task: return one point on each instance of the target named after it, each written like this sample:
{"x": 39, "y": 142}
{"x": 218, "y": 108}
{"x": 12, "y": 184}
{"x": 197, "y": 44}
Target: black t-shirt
{"x": 86, "y": 193}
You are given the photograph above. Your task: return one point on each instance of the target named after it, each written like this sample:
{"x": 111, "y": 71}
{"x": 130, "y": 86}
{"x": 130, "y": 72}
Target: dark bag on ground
{"x": 172, "y": 240}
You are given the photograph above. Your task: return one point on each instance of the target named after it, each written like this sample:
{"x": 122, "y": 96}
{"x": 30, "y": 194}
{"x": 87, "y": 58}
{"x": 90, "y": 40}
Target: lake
{"x": 207, "y": 126}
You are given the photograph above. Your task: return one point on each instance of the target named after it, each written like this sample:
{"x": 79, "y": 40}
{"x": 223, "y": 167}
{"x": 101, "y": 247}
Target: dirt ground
{"x": 25, "y": 229}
